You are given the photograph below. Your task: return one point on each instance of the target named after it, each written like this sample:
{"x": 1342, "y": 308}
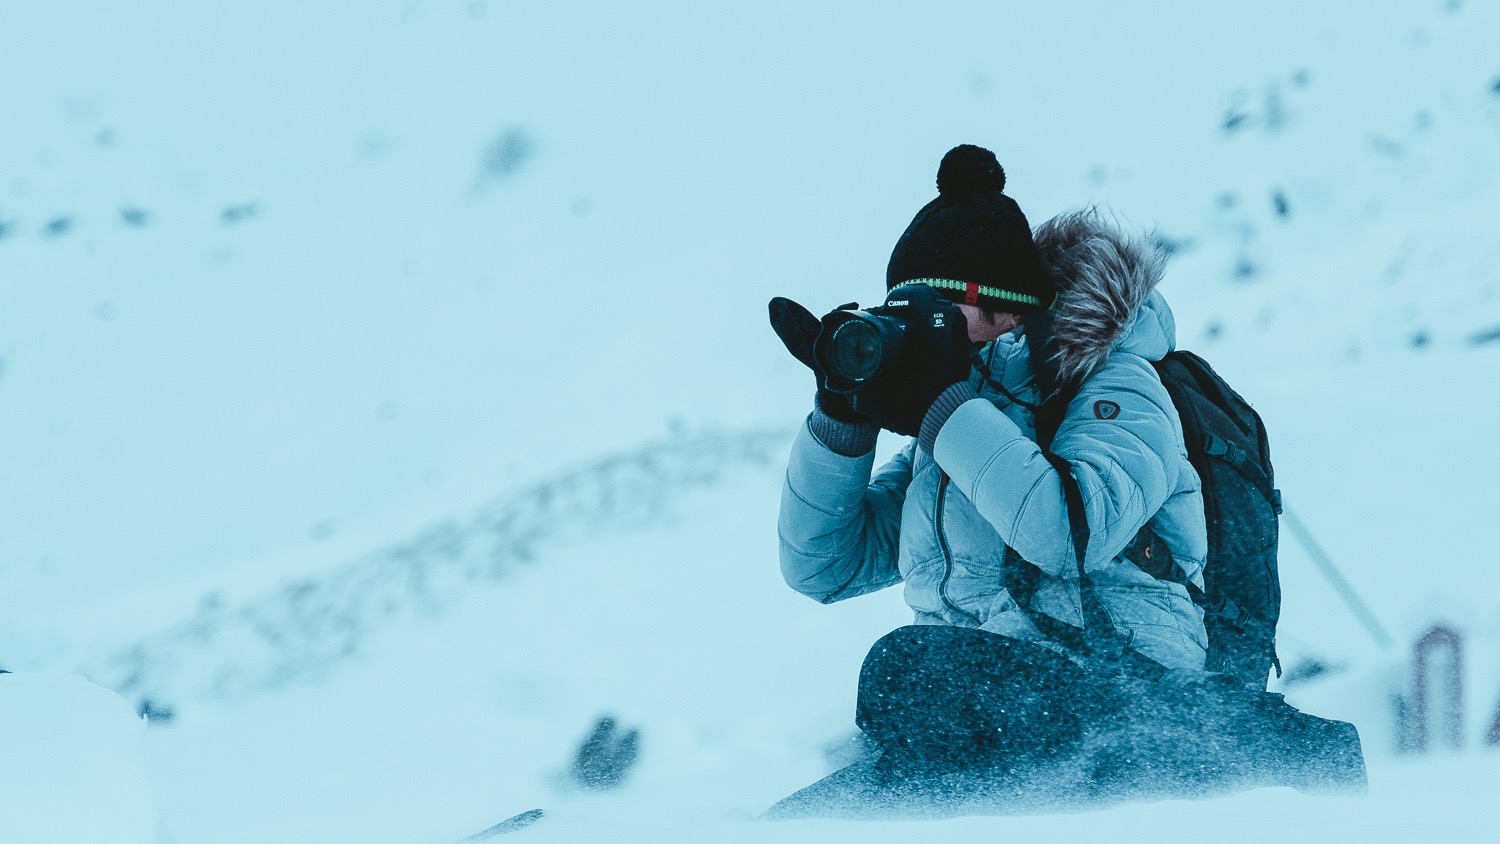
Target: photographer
{"x": 972, "y": 515}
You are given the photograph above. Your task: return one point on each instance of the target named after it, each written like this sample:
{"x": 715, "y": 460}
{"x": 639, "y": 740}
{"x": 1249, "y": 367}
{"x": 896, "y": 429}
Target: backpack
{"x": 1227, "y": 445}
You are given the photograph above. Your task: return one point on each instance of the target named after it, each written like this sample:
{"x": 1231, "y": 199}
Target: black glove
{"x": 934, "y": 357}
{"x": 798, "y": 328}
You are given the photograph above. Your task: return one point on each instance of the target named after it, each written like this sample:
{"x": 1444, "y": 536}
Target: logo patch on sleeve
{"x": 1105, "y": 409}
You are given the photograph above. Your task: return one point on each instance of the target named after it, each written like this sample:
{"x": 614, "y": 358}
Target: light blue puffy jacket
{"x": 845, "y": 532}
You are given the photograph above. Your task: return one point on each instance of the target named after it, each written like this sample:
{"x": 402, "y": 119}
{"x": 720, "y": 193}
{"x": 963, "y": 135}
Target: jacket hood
{"x": 1107, "y": 295}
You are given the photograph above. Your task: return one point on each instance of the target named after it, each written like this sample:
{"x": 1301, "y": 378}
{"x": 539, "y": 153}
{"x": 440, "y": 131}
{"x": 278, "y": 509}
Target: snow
{"x": 72, "y": 768}
{"x": 385, "y": 392}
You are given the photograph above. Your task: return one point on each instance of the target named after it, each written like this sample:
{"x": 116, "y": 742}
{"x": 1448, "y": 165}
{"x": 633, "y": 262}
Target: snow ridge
{"x": 306, "y": 628}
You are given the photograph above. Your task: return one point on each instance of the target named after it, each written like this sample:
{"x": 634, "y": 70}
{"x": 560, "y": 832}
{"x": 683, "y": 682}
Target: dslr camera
{"x": 856, "y": 348}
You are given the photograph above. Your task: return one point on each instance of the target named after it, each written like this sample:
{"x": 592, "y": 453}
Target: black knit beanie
{"x": 973, "y": 243}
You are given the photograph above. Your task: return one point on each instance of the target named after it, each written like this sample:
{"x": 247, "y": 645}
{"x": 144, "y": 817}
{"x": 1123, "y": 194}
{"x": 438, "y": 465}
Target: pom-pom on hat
{"x": 972, "y": 243}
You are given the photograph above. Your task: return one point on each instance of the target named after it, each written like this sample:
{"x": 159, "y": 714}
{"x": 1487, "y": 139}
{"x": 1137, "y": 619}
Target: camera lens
{"x": 854, "y": 350}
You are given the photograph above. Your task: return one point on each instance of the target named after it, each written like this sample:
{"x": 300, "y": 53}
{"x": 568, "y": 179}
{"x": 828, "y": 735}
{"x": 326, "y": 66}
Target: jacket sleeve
{"x": 1123, "y": 439}
{"x": 840, "y": 528}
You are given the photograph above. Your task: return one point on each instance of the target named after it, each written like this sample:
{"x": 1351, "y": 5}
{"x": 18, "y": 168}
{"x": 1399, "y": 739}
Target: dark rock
{"x": 606, "y": 757}
{"x": 508, "y": 825}
{"x": 155, "y": 712}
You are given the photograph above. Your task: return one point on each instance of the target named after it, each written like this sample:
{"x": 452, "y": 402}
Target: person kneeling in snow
{"x": 972, "y": 515}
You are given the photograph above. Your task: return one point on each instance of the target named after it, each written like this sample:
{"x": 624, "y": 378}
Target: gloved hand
{"x": 798, "y": 328}
{"x": 934, "y": 357}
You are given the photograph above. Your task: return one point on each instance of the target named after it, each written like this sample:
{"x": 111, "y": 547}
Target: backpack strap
{"x": 1055, "y": 395}
{"x": 1103, "y": 644}
{"x": 1216, "y": 446}
{"x": 1098, "y": 641}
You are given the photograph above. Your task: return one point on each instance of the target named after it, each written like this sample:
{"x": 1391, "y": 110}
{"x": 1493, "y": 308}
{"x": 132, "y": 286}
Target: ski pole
{"x": 1345, "y": 592}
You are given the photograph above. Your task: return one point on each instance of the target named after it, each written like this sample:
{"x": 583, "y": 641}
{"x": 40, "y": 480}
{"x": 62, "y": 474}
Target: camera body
{"x": 856, "y": 348}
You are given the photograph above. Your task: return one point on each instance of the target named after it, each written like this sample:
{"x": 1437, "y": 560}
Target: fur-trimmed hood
{"x": 1107, "y": 292}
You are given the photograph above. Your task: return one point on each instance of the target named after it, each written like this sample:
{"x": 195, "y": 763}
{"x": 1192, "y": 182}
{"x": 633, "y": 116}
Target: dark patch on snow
{"x": 1387, "y": 147}
{"x": 508, "y": 825}
{"x": 504, "y": 156}
{"x": 1244, "y": 269}
{"x": 1279, "y": 204}
{"x": 1269, "y": 111}
{"x": 1307, "y": 669}
{"x": 1168, "y": 245}
{"x": 6, "y": 228}
{"x": 1485, "y": 337}
{"x": 156, "y": 713}
{"x": 514, "y": 824}
{"x": 1213, "y": 331}
{"x": 57, "y": 227}
{"x": 1275, "y": 109}
{"x": 1234, "y": 120}
{"x": 239, "y": 213}
{"x": 1236, "y": 116}
{"x": 606, "y": 757}
{"x": 1495, "y": 86}
{"x": 1420, "y": 340}
{"x": 105, "y": 137}
{"x": 135, "y": 217}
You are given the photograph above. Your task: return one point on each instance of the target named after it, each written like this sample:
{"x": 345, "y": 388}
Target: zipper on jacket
{"x": 947, "y": 553}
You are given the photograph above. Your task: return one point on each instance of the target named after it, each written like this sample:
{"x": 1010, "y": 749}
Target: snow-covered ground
{"x": 385, "y": 390}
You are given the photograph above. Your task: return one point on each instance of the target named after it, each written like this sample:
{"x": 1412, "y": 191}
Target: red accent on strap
{"x": 971, "y": 294}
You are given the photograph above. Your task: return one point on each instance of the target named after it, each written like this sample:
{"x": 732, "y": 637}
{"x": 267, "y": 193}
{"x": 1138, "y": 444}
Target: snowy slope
{"x": 289, "y": 294}
{"x": 72, "y": 768}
